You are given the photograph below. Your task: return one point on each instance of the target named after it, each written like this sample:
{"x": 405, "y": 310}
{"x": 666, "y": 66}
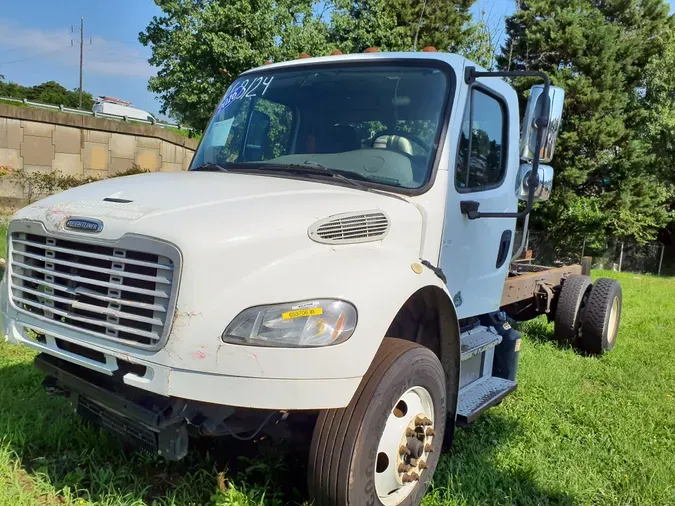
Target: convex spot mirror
{"x": 543, "y": 190}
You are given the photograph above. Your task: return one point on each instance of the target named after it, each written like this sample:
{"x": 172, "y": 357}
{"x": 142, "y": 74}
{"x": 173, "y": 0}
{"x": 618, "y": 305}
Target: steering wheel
{"x": 405, "y": 135}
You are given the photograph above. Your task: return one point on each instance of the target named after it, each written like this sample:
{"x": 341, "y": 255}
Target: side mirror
{"x": 544, "y": 187}
{"x": 535, "y": 104}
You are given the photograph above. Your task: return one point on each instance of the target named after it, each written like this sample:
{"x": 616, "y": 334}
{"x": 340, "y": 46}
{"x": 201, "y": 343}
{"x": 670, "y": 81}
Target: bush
{"x": 39, "y": 184}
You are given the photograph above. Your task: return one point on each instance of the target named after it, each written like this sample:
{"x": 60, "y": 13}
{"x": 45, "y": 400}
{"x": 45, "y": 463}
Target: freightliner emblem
{"x": 85, "y": 225}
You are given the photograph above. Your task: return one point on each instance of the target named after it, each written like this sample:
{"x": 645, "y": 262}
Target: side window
{"x": 485, "y": 166}
{"x": 269, "y": 134}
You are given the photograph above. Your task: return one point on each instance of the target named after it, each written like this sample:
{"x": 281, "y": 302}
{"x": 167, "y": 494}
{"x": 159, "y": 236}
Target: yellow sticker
{"x": 302, "y": 312}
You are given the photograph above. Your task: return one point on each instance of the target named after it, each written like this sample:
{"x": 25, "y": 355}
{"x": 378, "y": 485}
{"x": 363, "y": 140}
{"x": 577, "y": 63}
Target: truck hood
{"x": 198, "y": 209}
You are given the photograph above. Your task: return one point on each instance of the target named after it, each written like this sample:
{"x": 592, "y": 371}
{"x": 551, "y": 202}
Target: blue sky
{"x": 35, "y": 43}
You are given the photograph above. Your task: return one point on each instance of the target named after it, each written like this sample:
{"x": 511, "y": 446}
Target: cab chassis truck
{"x": 340, "y": 249}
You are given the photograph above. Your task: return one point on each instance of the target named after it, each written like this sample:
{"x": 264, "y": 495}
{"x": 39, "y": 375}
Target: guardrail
{"x": 70, "y": 110}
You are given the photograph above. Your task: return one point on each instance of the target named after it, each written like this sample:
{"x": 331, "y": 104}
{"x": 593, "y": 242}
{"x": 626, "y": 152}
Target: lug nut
{"x": 410, "y": 433}
{"x": 428, "y": 448}
{"x": 422, "y": 465}
{"x": 430, "y": 432}
{"x": 422, "y": 420}
{"x": 404, "y": 468}
{"x": 410, "y": 477}
{"x": 403, "y": 450}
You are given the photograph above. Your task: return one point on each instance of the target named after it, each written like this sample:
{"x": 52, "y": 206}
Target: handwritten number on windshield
{"x": 256, "y": 84}
{"x": 246, "y": 89}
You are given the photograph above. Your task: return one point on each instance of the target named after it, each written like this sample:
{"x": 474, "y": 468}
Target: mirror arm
{"x": 470, "y": 76}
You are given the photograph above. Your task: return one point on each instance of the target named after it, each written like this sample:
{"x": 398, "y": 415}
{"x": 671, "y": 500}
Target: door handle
{"x": 504, "y": 244}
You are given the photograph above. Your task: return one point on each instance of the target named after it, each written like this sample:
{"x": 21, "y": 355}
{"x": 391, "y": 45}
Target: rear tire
{"x": 570, "y": 307}
{"x": 601, "y": 318}
{"x": 354, "y": 455}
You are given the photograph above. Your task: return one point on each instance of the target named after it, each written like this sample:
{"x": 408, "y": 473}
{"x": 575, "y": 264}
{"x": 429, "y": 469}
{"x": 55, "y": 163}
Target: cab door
{"x": 475, "y": 254}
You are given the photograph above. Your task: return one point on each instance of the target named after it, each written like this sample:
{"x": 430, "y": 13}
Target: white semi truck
{"x": 116, "y": 107}
{"x": 342, "y": 248}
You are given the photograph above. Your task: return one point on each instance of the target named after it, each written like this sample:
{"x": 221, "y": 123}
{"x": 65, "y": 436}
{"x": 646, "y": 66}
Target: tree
{"x": 597, "y": 50}
{"x": 396, "y": 25}
{"x": 49, "y": 92}
{"x": 200, "y": 47}
{"x": 52, "y": 92}
{"x": 658, "y": 124}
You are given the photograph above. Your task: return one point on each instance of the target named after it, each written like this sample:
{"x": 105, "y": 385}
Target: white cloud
{"x": 103, "y": 56}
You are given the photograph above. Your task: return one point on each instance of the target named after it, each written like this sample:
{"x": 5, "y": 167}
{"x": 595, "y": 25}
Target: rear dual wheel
{"x": 570, "y": 308}
{"x": 588, "y": 314}
{"x": 601, "y": 318}
{"x": 383, "y": 448}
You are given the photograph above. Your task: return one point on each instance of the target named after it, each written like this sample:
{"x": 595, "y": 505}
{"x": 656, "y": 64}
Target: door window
{"x": 484, "y": 167}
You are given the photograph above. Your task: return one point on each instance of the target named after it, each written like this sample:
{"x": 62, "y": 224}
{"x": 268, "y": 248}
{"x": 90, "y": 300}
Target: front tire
{"x": 383, "y": 448}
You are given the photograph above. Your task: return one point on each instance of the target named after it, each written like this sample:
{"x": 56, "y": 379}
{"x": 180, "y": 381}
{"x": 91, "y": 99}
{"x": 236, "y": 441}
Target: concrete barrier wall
{"x": 40, "y": 140}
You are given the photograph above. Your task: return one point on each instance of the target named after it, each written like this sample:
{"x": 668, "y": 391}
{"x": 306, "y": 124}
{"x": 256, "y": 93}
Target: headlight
{"x": 319, "y": 322}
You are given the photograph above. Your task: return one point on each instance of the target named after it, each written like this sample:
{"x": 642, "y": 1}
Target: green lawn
{"x": 578, "y": 430}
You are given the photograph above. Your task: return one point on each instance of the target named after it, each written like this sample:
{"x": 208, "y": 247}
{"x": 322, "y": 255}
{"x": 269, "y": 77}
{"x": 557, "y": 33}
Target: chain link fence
{"x": 614, "y": 254}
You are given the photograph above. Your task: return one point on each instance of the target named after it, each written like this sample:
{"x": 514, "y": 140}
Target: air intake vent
{"x": 350, "y": 228}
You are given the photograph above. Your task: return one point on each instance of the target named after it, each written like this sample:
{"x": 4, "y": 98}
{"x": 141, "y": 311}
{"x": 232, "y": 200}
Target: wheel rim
{"x": 613, "y": 320}
{"x": 404, "y": 447}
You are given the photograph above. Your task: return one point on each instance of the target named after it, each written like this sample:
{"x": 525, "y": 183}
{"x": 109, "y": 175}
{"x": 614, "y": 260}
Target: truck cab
{"x": 340, "y": 249}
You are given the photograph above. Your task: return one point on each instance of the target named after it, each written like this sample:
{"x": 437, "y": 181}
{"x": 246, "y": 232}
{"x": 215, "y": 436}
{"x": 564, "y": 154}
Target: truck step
{"x": 477, "y": 398}
{"x": 477, "y": 341}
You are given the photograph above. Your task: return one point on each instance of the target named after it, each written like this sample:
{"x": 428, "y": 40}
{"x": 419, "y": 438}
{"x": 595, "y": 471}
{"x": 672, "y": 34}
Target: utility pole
{"x": 419, "y": 25}
{"x": 72, "y": 29}
{"x": 81, "y": 55}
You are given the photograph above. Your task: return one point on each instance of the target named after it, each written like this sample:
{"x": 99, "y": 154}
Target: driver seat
{"x": 394, "y": 142}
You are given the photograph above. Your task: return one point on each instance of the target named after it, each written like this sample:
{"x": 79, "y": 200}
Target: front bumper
{"x": 151, "y": 423}
{"x": 141, "y": 372}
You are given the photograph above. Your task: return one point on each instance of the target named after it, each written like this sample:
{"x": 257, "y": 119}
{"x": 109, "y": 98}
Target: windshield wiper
{"x": 210, "y": 167}
{"x": 314, "y": 168}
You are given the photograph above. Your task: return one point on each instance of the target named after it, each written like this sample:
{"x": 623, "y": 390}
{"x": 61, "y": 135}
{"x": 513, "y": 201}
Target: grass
{"x": 578, "y": 430}
{"x": 11, "y": 102}
{"x": 185, "y": 133}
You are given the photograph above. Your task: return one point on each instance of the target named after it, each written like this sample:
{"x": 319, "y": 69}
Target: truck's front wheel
{"x": 382, "y": 449}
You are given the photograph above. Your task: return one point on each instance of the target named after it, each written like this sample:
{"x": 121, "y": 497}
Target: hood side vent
{"x": 350, "y": 228}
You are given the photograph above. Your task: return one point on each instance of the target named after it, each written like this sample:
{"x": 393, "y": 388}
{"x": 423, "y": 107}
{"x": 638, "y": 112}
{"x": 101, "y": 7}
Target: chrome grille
{"x": 111, "y": 292}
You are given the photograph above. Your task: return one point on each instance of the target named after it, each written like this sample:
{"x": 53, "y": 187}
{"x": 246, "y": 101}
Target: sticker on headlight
{"x": 302, "y": 312}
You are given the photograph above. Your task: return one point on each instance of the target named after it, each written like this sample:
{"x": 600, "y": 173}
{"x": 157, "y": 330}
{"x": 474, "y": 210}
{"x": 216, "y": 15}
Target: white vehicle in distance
{"x": 117, "y": 107}
{"x": 341, "y": 250}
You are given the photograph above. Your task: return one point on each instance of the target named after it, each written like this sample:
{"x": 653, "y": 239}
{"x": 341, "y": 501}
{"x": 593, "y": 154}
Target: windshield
{"x": 378, "y": 123}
